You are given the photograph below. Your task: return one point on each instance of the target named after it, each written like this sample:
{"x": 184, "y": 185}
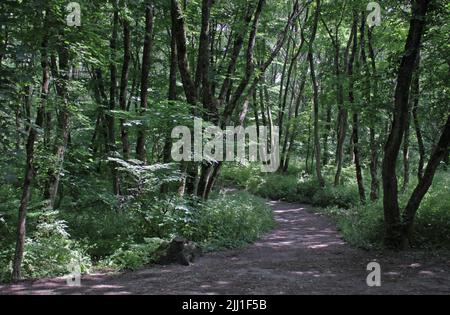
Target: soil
{"x": 304, "y": 254}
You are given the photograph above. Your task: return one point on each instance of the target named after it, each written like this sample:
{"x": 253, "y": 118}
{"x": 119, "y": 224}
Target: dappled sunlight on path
{"x": 304, "y": 254}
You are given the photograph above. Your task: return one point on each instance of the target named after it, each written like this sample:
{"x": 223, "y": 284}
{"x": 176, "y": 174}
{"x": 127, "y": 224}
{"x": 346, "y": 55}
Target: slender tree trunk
{"x": 356, "y": 144}
{"x": 374, "y": 186}
{"x": 101, "y": 98}
{"x": 315, "y": 97}
{"x": 326, "y": 135}
{"x": 171, "y": 97}
{"x": 256, "y": 113}
{"x": 208, "y": 100}
{"x": 374, "y": 145}
{"x": 124, "y": 87}
{"x": 295, "y": 127}
{"x": 425, "y": 182}
{"x": 393, "y": 233}
{"x": 308, "y": 151}
{"x": 141, "y": 151}
{"x": 343, "y": 113}
{"x": 359, "y": 176}
{"x": 237, "y": 47}
{"x": 30, "y": 148}
{"x": 415, "y": 90}
{"x": 284, "y": 90}
{"x": 62, "y": 134}
{"x": 112, "y": 148}
{"x": 406, "y": 155}
{"x": 179, "y": 31}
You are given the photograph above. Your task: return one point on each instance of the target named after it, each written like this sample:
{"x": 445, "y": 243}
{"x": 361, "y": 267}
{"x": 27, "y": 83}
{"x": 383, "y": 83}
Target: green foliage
{"x": 363, "y": 225}
{"x": 50, "y": 251}
{"x": 342, "y": 196}
{"x": 6, "y": 255}
{"x": 169, "y": 216}
{"x": 432, "y": 224}
{"x": 291, "y": 187}
{"x": 133, "y": 256}
{"x": 232, "y": 220}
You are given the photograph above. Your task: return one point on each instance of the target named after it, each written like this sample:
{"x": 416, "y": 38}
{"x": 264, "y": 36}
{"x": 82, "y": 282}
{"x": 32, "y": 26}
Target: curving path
{"x": 304, "y": 254}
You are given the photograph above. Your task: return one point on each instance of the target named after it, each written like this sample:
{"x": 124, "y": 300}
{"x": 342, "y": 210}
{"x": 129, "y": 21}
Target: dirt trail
{"x": 304, "y": 254}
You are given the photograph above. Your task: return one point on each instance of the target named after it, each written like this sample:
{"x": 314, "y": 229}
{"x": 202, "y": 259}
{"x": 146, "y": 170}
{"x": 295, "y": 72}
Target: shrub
{"x": 6, "y": 255}
{"x": 432, "y": 224}
{"x": 133, "y": 256}
{"x": 169, "y": 217}
{"x": 342, "y": 196}
{"x": 50, "y": 251}
{"x": 232, "y": 221}
{"x": 363, "y": 225}
{"x": 277, "y": 186}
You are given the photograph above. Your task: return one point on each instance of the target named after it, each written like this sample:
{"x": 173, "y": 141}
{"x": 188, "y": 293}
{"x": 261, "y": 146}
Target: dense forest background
{"x": 87, "y": 113}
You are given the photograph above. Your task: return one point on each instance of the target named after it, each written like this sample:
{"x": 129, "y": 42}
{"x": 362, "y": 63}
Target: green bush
{"x": 275, "y": 186}
{"x": 363, "y": 225}
{"x": 6, "y": 255}
{"x": 238, "y": 175}
{"x": 293, "y": 188}
{"x": 232, "y": 220}
{"x": 168, "y": 217}
{"x": 432, "y": 225}
{"x": 133, "y": 256}
{"x": 341, "y": 196}
{"x": 50, "y": 251}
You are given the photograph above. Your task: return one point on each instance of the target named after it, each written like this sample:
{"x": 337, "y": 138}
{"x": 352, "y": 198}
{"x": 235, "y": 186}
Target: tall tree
{"x": 141, "y": 152}
{"x": 61, "y": 74}
{"x": 124, "y": 86}
{"x": 30, "y": 151}
{"x": 315, "y": 96}
{"x": 112, "y": 148}
{"x": 393, "y": 224}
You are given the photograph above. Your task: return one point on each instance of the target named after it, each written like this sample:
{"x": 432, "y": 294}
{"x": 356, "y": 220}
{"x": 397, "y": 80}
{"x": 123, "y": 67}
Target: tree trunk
{"x": 326, "y": 135}
{"x": 30, "y": 148}
{"x": 112, "y": 100}
{"x": 141, "y": 152}
{"x": 124, "y": 87}
{"x": 424, "y": 184}
{"x": 62, "y": 134}
{"x": 190, "y": 91}
{"x": 415, "y": 90}
{"x": 343, "y": 113}
{"x": 171, "y": 97}
{"x": 296, "y": 127}
{"x": 237, "y": 47}
{"x": 406, "y": 154}
{"x": 355, "y": 136}
{"x": 375, "y": 185}
{"x": 393, "y": 236}
{"x": 315, "y": 97}
{"x": 374, "y": 143}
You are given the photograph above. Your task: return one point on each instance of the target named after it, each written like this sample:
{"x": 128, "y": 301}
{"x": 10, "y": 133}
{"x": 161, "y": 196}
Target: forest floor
{"x": 304, "y": 254}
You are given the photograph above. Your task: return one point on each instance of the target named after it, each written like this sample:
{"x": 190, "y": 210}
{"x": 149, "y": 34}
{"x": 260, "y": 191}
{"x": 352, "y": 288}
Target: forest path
{"x": 304, "y": 254}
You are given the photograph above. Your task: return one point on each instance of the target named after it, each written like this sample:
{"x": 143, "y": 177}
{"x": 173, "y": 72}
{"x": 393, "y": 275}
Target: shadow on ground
{"x": 304, "y": 254}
